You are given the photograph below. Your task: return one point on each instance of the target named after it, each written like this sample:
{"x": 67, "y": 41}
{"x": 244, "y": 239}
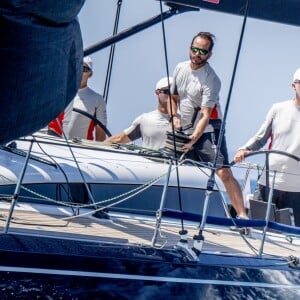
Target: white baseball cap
{"x": 296, "y": 75}
{"x": 87, "y": 60}
{"x": 164, "y": 82}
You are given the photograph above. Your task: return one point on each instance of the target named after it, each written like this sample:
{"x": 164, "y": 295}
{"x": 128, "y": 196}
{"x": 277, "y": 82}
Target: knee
{"x": 225, "y": 174}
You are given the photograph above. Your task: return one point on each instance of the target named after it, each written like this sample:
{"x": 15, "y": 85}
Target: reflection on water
{"x": 48, "y": 287}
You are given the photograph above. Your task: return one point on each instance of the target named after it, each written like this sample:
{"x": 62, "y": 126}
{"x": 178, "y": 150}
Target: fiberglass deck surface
{"x": 123, "y": 228}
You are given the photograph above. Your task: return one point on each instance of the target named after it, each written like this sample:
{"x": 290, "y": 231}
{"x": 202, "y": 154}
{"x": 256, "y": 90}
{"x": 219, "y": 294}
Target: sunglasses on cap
{"x": 164, "y": 91}
{"x": 198, "y": 50}
{"x": 86, "y": 69}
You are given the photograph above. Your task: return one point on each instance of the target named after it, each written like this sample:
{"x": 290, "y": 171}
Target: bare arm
{"x": 240, "y": 155}
{"x": 99, "y": 134}
{"x": 200, "y": 127}
{"x": 120, "y": 138}
{"x": 172, "y": 110}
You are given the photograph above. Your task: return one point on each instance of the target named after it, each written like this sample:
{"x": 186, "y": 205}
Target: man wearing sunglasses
{"x": 151, "y": 126}
{"x": 282, "y": 127}
{"x": 196, "y": 87}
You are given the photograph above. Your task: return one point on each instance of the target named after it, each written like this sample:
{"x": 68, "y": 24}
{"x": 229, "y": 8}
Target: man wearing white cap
{"x": 151, "y": 126}
{"x": 282, "y": 127}
{"x": 76, "y": 124}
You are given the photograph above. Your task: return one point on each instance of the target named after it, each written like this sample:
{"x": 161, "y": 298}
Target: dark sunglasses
{"x": 198, "y": 50}
{"x": 297, "y": 81}
{"x": 164, "y": 91}
{"x": 86, "y": 69}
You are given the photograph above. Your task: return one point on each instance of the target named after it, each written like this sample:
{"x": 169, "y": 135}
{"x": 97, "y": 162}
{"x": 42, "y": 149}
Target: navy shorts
{"x": 204, "y": 150}
{"x": 281, "y": 199}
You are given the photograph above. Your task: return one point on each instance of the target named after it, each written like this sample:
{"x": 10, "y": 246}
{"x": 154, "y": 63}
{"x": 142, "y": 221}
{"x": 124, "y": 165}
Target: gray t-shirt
{"x": 78, "y": 125}
{"x": 282, "y": 125}
{"x": 196, "y": 88}
{"x": 151, "y": 127}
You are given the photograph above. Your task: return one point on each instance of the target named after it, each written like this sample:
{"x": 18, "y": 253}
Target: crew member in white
{"x": 151, "y": 126}
{"x": 196, "y": 87}
{"x": 87, "y": 100}
{"x": 282, "y": 127}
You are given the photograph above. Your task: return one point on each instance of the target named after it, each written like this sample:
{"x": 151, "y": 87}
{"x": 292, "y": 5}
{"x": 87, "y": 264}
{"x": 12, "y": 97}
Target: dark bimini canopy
{"x": 281, "y": 11}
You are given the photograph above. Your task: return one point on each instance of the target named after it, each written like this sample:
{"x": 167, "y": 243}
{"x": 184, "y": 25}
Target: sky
{"x": 268, "y": 59}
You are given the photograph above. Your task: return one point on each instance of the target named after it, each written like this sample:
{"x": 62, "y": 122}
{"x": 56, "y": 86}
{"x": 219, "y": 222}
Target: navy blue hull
{"x": 48, "y": 268}
{"x": 36, "y": 286}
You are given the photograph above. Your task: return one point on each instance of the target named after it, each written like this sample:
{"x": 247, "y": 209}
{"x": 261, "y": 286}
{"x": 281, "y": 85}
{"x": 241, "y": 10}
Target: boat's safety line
{"x": 128, "y": 195}
{"x": 131, "y": 193}
{"x": 149, "y": 278}
{"x": 103, "y": 204}
{"x": 171, "y": 213}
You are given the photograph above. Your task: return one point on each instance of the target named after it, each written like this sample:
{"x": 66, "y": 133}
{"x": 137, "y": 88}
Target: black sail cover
{"x": 282, "y": 11}
{"x": 41, "y": 62}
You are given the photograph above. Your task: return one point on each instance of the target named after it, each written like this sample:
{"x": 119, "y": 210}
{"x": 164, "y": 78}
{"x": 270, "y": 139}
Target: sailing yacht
{"x": 166, "y": 235}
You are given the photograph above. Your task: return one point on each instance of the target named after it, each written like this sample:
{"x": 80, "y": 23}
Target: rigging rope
{"x": 211, "y": 180}
{"x": 111, "y": 53}
{"x": 170, "y": 102}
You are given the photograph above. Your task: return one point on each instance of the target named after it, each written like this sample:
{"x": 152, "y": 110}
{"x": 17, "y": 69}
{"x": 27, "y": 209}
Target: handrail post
{"x": 270, "y": 196}
{"x": 162, "y": 203}
{"x": 15, "y": 196}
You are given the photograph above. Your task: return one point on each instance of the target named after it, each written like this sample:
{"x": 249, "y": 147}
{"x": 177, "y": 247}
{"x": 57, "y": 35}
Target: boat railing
{"x": 99, "y": 205}
{"x": 15, "y": 196}
{"x": 226, "y": 221}
{"x": 164, "y": 212}
{"x": 267, "y": 153}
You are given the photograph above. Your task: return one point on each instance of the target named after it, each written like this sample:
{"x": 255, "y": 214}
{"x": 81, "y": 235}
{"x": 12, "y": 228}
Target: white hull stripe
{"x": 147, "y": 278}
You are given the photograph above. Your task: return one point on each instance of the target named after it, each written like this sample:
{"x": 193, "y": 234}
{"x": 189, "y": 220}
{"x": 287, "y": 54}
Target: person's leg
{"x": 260, "y": 193}
{"x": 232, "y": 186}
{"x": 205, "y": 151}
{"x": 233, "y": 190}
{"x": 290, "y": 200}
{"x": 281, "y": 199}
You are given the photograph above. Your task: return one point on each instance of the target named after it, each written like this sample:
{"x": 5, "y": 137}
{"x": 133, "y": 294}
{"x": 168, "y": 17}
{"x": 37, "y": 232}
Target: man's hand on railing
{"x": 240, "y": 155}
